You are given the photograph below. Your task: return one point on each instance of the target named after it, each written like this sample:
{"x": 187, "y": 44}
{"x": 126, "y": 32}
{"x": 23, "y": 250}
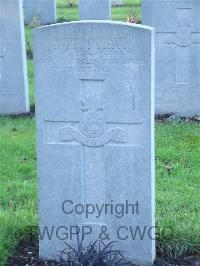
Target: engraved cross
{"x": 93, "y": 133}
{"x": 183, "y": 40}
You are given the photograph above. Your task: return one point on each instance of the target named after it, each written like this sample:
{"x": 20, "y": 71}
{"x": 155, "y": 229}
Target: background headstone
{"x": 95, "y": 120}
{"x": 117, "y": 2}
{"x": 94, "y": 10}
{"x": 39, "y": 11}
{"x": 177, "y": 25}
{"x": 13, "y": 68}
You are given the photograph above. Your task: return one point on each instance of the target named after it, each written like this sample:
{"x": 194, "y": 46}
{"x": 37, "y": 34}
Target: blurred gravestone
{"x": 39, "y": 12}
{"x": 177, "y": 26}
{"x": 94, "y": 10}
{"x": 13, "y": 68}
{"x": 117, "y": 2}
{"x": 95, "y": 120}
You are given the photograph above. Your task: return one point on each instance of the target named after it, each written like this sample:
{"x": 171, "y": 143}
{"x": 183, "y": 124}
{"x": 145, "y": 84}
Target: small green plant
{"x": 96, "y": 254}
{"x": 29, "y": 51}
{"x": 35, "y": 22}
{"x": 62, "y": 19}
{"x": 132, "y": 17}
{"x": 70, "y": 3}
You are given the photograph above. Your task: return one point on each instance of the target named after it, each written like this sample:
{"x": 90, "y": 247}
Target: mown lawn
{"x": 177, "y": 171}
{"x": 18, "y": 192}
{"x": 66, "y": 13}
{"x": 177, "y": 184}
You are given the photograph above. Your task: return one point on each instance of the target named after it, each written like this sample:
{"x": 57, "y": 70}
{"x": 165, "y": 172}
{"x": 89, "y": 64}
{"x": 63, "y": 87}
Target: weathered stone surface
{"x": 94, "y": 109}
{"x": 13, "y": 68}
{"x": 94, "y": 10}
{"x": 40, "y": 11}
{"x": 177, "y": 26}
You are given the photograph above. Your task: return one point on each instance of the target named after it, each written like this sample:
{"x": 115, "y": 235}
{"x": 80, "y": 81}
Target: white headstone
{"x": 117, "y": 2}
{"x": 94, "y": 10}
{"x": 13, "y": 68}
{"x": 177, "y": 26}
{"x": 40, "y": 11}
{"x": 95, "y": 121}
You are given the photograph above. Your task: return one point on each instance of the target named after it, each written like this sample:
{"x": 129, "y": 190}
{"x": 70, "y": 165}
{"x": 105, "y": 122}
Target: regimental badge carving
{"x": 92, "y": 124}
{"x": 184, "y": 33}
{"x": 115, "y": 135}
{"x": 183, "y": 40}
{"x": 183, "y": 36}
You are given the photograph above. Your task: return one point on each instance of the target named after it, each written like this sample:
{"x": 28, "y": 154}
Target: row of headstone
{"x": 95, "y": 112}
{"x": 13, "y": 82}
{"x": 43, "y": 12}
{"x": 177, "y": 48}
{"x": 177, "y": 25}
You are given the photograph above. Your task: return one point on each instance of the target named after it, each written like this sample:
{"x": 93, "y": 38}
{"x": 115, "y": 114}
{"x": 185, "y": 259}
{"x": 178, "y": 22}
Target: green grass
{"x": 177, "y": 170}
{"x": 66, "y": 13}
{"x": 31, "y": 85}
{"x": 18, "y": 180}
{"x": 177, "y": 184}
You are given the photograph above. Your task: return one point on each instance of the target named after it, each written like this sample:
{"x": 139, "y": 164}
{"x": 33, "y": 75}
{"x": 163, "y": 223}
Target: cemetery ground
{"x": 177, "y": 171}
{"x": 177, "y": 185}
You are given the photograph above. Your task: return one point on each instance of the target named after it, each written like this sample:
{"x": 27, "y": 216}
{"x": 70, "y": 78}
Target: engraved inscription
{"x": 95, "y": 56}
{"x": 6, "y": 89}
{"x": 192, "y": 95}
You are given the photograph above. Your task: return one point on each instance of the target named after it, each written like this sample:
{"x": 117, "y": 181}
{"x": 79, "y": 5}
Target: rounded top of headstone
{"x": 95, "y": 22}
